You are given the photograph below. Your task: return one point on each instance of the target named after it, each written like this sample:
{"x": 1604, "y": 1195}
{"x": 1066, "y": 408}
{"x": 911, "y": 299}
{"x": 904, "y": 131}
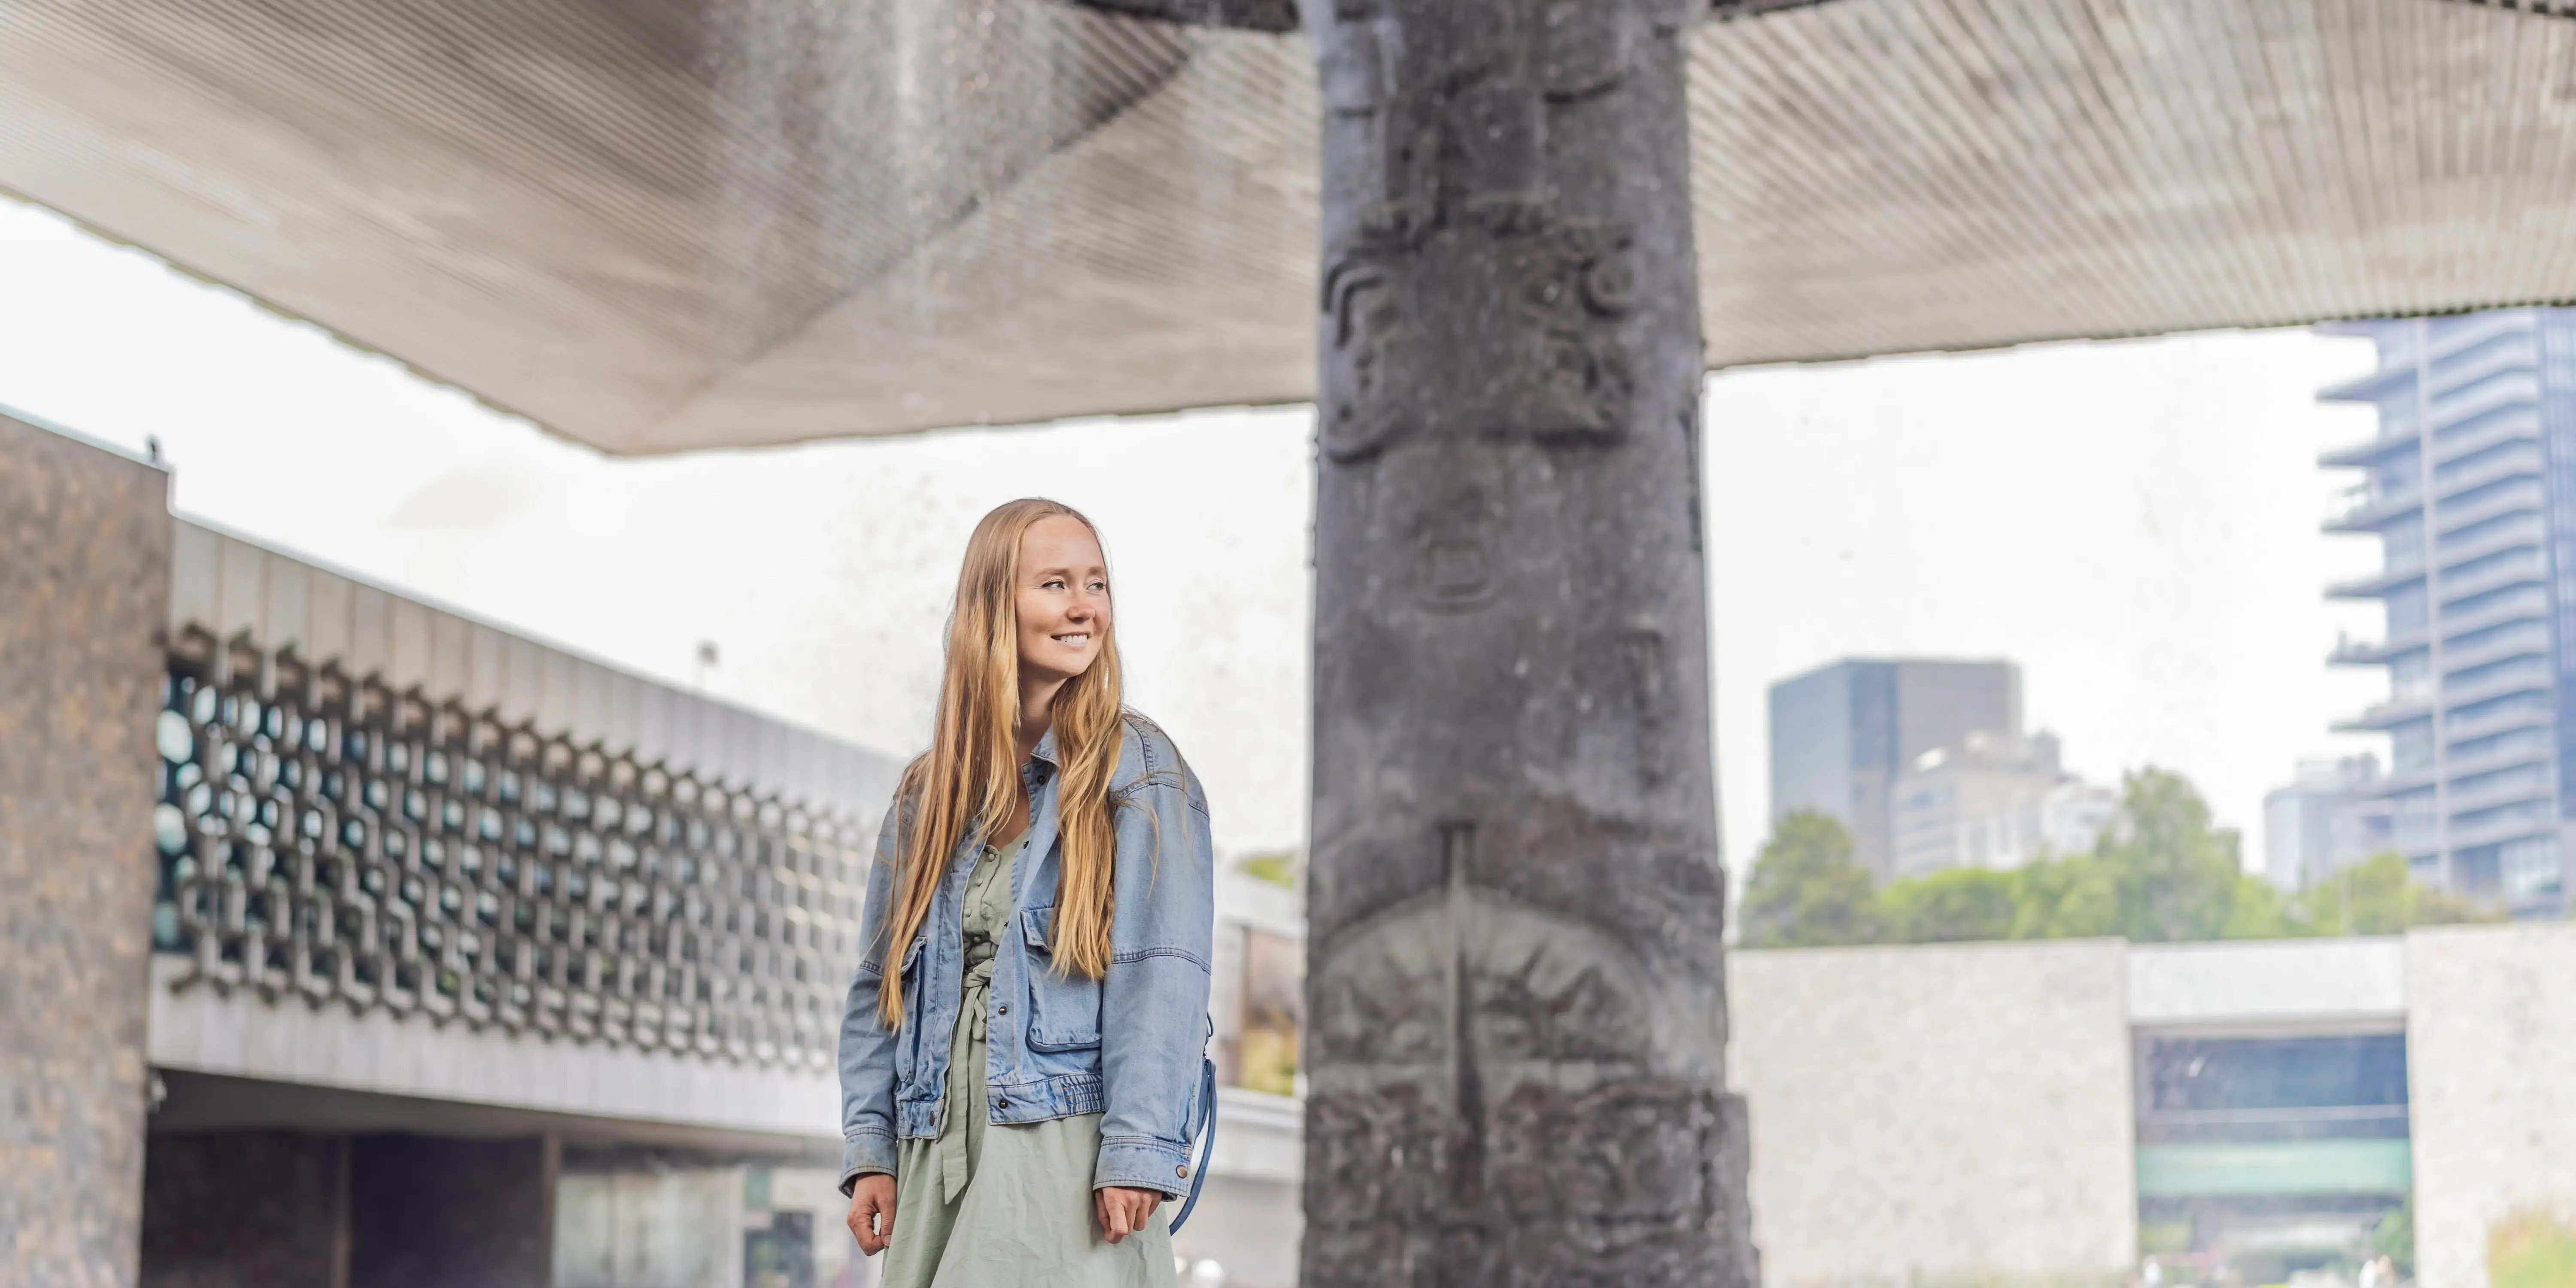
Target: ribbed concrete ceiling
{"x": 654, "y": 225}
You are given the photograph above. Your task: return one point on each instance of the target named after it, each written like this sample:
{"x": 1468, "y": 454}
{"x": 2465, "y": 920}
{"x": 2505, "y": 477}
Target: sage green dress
{"x": 1006, "y": 1205}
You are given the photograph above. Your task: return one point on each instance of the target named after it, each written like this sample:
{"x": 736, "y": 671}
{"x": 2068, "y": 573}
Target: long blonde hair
{"x": 962, "y": 786}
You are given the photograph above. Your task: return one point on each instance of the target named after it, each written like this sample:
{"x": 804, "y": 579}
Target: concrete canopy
{"x": 659, "y": 225}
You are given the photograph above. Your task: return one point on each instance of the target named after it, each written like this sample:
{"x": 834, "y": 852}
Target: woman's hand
{"x": 1122, "y": 1211}
{"x": 872, "y": 1212}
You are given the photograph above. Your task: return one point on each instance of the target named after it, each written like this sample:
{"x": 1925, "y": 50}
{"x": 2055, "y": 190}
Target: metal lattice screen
{"x": 323, "y": 837}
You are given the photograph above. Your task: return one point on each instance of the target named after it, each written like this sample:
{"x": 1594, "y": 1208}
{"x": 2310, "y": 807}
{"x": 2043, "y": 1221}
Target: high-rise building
{"x": 2328, "y": 818}
{"x": 1993, "y": 800}
{"x": 1842, "y": 733}
{"x": 2470, "y": 486}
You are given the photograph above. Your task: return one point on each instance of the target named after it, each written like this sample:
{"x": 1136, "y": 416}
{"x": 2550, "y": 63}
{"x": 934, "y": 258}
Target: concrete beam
{"x": 1248, "y": 15}
{"x": 627, "y": 1094}
{"x": 1282, "y": 15}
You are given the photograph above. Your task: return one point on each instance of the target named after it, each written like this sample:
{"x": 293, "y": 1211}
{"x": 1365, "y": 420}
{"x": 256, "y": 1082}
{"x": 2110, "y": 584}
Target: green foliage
{"x": 2531, "y": 1250}
{"x": 2258, "y": 910}
{"x": 2163, "y": 873}
{"x": 2379, "y": 898}
{"x": 2070, "y": 898}
{"x": 2174, "y": 876}
{"x": 1278, "y": 869}
{"x": 1806, "y": 891}
{"x": 2394, "y": 1237}
{"x": 1949, "y": 907}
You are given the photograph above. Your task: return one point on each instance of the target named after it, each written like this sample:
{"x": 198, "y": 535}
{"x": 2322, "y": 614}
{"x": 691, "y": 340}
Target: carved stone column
{"x": 1518, "y": 1017}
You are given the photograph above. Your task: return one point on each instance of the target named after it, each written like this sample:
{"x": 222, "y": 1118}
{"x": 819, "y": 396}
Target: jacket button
{"x": 1184, "y": 1172}
{"x": 1003, "y": 1009}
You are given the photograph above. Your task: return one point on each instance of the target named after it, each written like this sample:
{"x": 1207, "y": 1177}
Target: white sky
{"x": 2136, "y": 523}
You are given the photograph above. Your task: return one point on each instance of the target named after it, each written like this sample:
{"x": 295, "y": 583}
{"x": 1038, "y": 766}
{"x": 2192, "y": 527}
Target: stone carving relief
{"x": 1480, "y": 1058}
{"x": 1463, "y": 196}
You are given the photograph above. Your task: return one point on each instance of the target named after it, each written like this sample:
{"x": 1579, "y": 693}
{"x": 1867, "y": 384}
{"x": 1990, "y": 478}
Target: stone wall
{"x": 246, "y": 1210}
{"x": 2491, "y": 1069}
{"x": 428, "y": 1212}
{"x": 1957, "y": 1113}
{"x": 84, "y": 588}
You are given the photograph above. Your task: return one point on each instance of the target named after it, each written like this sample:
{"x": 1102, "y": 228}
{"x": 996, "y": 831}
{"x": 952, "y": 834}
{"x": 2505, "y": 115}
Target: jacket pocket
{"x": 1064, "y": 1012}
{"x": 907, "y": 1040}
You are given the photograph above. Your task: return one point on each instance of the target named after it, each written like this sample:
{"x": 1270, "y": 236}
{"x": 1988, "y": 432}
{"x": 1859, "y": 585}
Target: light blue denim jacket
{"x": 1128, "y": 1045}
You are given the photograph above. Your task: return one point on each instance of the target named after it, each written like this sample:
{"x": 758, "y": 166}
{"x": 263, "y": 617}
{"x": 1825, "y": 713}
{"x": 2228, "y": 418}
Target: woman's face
{"x": 1063, "y": 599}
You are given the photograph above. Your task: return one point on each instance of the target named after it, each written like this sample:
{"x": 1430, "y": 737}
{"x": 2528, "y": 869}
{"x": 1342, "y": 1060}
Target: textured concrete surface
{"x": 228, "y": 586}
{"x": 242, "y": 1036}
{"x": 84, "y": 585}
{"x": 245, "y": 1210}
{"x": 692, "y": 225}
{"x": 2491, "y": 1068}
{"x": 2337, "y": 985}
{"x": 1952, "y": 1113}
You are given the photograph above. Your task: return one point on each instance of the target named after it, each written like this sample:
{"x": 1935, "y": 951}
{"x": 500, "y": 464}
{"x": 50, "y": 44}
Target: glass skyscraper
{"x": 2470, "y": 486}
{"x": 1843, "y": 733}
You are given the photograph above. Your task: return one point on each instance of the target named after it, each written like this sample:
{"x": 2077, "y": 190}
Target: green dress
{"x": 993, "y": 1205}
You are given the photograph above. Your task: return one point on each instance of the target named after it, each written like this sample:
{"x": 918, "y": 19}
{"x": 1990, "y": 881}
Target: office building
{"x": 1993, "y": 801}
{"x": 1842, "y": 734}
{"x": 2470, "y": 487}
{"x": 2328, "y": 818}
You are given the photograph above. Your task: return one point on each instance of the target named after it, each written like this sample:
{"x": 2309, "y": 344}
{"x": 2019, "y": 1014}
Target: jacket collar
{"x": 1046, "y": 751}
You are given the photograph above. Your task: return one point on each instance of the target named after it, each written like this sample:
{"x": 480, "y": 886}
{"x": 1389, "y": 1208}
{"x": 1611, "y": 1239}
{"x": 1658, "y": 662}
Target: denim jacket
{"x": 1128, "y": 1045}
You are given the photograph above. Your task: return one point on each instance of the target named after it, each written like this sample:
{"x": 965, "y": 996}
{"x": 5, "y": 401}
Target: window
{"x": 2525, "y": 634}
{"x": 2502, "y": 456}
{"x": 2515, "y": 742}
{"x": 2402, "y": 544}
{"x": 2406, "y": 612}
{"x": 2410, "y": 677}
{"x": 2529, "y": 867}
{"x": 2512, "y": 670}
{"x": 2523, "y": 559}
{"x": 2411, "y": 745}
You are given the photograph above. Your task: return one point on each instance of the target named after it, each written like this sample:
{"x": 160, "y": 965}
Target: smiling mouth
{"x": 1077, "y": 639}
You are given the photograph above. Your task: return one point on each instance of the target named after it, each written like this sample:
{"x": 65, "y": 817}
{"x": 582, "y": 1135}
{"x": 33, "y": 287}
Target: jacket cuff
{"x": 865, "y": 1153}
{"x": 1142, "y": 1163}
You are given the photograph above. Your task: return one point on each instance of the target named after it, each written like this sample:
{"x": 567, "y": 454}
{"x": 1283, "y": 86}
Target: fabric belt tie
{"x": 962, "y": 1097}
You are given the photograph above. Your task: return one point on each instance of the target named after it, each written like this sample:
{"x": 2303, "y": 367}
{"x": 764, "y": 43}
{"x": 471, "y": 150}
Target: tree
{"x": 1953, "y": 906}
{"x": 2380, "y": 897}
{"x": 1806, "y": 891}
{"x": 2175, "y": 876}
{"x": 2260, "y": 911}
{"x": 2069, "y": 898}
{"x": 2163, "y": 873}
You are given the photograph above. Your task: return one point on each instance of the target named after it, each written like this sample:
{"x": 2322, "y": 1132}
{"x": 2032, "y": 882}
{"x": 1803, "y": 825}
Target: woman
{"x": 1020, "y": 1056}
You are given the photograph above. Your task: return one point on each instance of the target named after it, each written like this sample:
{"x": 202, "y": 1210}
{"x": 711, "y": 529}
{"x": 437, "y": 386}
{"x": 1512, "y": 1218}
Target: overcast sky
{"x": 2136, "y": 523}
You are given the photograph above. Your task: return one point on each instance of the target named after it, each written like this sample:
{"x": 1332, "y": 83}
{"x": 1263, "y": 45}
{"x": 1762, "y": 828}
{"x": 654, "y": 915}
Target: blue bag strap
{"x": 1207, "y": 1140}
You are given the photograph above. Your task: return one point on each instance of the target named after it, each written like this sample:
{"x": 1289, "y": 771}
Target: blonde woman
{"x": 1022, "y": 1053}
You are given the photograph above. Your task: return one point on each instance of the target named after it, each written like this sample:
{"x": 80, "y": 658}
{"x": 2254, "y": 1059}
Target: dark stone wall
{"x": 245, "y": 1210}
{"x": 275, "y": 1209}
{"x": 84, "y": 591}
{"x": 428, "y": 1212}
